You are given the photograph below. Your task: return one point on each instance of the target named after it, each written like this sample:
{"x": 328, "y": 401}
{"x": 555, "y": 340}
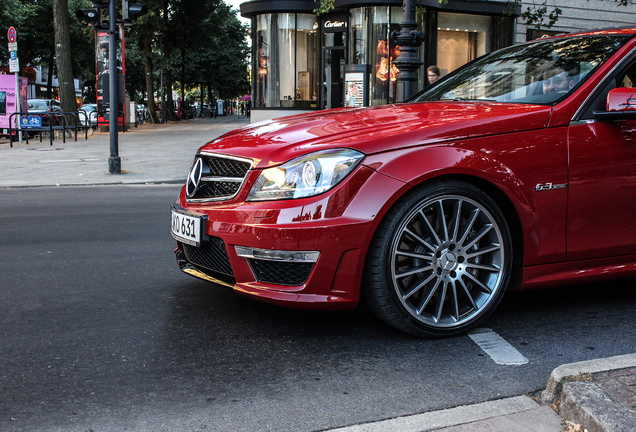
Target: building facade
{"x": 304, "y": 62}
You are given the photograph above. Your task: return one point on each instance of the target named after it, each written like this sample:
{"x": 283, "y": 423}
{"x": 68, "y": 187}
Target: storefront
{"x": 305, "y": 62}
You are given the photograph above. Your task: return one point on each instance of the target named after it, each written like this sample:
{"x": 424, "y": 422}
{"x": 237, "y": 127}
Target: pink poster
{"x": 8, "y": 99}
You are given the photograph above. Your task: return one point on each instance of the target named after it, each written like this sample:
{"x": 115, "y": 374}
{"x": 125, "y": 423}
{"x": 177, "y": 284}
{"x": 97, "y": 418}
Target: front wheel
{"x": 440, "y": 261}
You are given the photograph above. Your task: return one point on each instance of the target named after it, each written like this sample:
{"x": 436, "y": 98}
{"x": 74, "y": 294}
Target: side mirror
{"x": 621, "y": 105}
{"x": 621, "y": 99}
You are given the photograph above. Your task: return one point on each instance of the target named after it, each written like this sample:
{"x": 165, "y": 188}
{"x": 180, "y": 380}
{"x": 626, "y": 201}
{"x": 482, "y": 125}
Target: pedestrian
{"x": 433, "y": 74}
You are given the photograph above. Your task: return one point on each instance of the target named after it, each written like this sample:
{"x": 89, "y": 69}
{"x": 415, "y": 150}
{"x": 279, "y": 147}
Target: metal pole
{"x": 163, "y": 99}
{"x": 408, "y": 39}
{"x": 18, "y": 106}
{"x": 114, "y": 161}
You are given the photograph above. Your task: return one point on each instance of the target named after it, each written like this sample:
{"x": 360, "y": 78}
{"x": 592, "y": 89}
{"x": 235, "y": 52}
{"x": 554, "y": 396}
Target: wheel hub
{"x": 447, "y": 262}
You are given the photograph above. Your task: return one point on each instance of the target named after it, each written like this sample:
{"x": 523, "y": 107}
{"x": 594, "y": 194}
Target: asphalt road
{"x": 100, "y": 331}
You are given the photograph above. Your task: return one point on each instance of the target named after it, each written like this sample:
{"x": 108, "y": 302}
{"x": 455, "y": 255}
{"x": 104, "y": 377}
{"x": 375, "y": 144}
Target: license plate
{"x": 186, "y": 227}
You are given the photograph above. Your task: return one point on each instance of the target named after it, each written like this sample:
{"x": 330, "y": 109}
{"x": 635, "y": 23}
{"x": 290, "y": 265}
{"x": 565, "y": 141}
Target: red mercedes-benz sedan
{"x": 517, "y": 171}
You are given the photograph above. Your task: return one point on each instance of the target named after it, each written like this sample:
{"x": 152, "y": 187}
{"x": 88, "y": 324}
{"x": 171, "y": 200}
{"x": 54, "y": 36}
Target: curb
{"x": 435, "y": 420}
{"x": 587, "y": 404}
{"x": 566, "y": 372}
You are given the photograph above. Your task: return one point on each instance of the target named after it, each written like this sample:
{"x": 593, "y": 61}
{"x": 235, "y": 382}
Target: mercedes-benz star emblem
{"x": 194, "y": 177}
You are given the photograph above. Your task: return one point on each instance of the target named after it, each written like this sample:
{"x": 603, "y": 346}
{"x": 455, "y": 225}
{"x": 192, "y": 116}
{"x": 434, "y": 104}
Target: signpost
{"x": 14, "y": 67}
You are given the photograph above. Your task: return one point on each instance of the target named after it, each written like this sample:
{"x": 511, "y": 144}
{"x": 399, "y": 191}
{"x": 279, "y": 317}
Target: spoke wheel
{"x": 440, "y": 261}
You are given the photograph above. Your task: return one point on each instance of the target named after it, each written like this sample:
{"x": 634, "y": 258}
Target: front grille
{"x": 216, "y": 189}
{"x": 281, "y": 273}
{"x": 223, "y": 167}
{"x": 211, "y": 255}
{"x": 221, "y": 178}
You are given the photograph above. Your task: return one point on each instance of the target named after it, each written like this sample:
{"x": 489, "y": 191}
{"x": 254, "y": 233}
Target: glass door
{"x": 333, "y": 60}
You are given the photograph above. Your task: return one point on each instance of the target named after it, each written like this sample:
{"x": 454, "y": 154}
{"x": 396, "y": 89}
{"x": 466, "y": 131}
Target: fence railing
{"x": 40, "y": 123}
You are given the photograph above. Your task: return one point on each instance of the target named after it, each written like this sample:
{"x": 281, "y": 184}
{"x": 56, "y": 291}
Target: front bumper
{"x": 306, "y": 253}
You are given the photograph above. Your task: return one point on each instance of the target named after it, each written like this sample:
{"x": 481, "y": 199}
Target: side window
{"x": 628, "y": 78}
{"x": 625, "y": 77}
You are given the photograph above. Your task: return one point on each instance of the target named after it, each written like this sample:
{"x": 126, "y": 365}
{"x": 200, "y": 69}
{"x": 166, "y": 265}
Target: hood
{"x": 376, "y": 129}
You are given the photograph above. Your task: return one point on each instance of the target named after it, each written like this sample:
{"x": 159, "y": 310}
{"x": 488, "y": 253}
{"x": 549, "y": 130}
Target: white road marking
{"x": 497, "y": 348}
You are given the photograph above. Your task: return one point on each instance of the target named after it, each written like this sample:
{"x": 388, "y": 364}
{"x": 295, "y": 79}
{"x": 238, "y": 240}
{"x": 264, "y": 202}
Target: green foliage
{"x": 326, "y": 6}
{"x": 15, "y": 13}
{"x": 33, "y": 20}
{"x": 537, "y": 16}
{"x": 203, "y": 43}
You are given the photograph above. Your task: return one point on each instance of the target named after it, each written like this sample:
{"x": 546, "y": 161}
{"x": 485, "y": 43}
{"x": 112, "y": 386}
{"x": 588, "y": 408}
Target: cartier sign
{"x": 334, "y": 24}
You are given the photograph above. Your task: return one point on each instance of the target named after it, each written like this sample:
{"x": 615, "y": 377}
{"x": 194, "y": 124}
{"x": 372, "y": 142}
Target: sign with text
{"x": 14, "y": 64}
{"x": 31, "y": 122}
{"x": 8, "y": 98}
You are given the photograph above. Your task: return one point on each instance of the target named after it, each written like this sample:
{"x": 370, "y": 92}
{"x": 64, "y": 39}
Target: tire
{"x": 433, "y": 279}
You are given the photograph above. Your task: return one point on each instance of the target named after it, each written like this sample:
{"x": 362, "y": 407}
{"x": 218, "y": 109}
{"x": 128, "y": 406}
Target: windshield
{"x": 540, "y": 72}
{"x": 37, "y": 105}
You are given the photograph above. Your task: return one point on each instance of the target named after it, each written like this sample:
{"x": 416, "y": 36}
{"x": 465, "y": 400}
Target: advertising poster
{"x": 102, "y": 56}
{"x": 8, "y": 99}
{"x": 354, "y": 89}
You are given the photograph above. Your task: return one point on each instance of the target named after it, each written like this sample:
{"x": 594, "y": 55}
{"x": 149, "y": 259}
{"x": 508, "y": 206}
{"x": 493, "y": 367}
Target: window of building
{"x": 370, "y": 43}
{"x": 461, "y": 38}
{"x": 286, "y": 61}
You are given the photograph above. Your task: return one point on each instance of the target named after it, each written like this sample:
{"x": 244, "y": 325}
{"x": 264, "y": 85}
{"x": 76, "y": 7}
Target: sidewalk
{"x": 600, "y": 395}
{"x": 149, "y": 154}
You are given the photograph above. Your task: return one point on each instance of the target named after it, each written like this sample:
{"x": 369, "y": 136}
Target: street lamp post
{"x": 114, "y": 161}
{"x": 408, "y": 39}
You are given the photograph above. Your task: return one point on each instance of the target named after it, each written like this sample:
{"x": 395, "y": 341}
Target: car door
{"x": 602, "y": 181}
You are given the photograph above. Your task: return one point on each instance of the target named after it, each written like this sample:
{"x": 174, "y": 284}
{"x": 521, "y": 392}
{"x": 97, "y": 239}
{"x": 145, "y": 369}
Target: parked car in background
{"x": 91, "y": 115}
{"x": 515, "y": 172}
{"x": 45, "y": 106}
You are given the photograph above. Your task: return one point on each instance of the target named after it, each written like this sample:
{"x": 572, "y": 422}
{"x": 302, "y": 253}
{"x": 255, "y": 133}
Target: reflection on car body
{"x": 429, "y": 210}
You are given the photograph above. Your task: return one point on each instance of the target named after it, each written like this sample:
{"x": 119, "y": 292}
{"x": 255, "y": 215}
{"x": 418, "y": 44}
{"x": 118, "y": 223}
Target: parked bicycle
{"x": 143, "y": 114}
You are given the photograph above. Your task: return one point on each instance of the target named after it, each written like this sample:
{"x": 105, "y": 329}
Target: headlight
{"x": 308, "y": 175}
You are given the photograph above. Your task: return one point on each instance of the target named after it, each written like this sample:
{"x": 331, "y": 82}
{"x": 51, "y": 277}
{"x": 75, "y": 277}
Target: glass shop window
{"x": 461, "y": 38}
{"x": 286, "y": 62}
{"x": 370, "y": 43}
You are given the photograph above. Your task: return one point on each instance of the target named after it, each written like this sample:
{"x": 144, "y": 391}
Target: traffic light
{"x": 92, "y": 16}
{"x": 132, "y": 11}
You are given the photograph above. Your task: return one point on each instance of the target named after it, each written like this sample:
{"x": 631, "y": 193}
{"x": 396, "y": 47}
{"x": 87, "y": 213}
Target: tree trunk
{"x": 169, "y": 101}
{"x": 149, "y": 83}
{"x": 63, "y": 55}
{"x": 49, "y": 78}
{"x": 183, "y": 98}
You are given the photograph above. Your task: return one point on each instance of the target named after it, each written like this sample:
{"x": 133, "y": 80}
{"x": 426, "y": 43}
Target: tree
{"x": 63, "y": 55}
{"x": 140, "y": 53}
{"x": 203, "y": 41}
{"x": 13, "y": 13}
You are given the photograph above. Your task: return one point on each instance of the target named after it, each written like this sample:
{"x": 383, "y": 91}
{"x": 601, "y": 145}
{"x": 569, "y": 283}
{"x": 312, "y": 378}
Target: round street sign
{"x": 12, "y": 34}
